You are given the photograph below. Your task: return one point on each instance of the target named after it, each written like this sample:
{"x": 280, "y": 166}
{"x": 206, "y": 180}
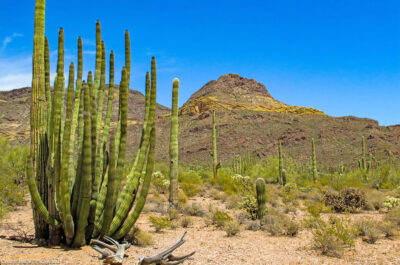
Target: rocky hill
{"x": 249, "y": 121}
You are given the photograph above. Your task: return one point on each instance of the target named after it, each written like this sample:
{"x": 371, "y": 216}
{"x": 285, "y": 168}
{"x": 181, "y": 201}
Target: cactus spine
{"x": 173, "y": 147}
{"x": 314, "y": 162}
{"x": 216, "y": 165}
{"x": 261, "y": 198}
{"x": 79, "y": 200}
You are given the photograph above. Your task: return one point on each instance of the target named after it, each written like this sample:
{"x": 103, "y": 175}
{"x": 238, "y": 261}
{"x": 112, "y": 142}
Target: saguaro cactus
{"x": 280, "y": 162}
{"x": 216, "y": 164}
{"x": 173, "y": 147}
{"x": 69, "y": 150}
{"x": 314, "y": 162}
{"x": 363, "y": 158}
{"x": 261, "y": 198}
{"x": 283, "y": 177}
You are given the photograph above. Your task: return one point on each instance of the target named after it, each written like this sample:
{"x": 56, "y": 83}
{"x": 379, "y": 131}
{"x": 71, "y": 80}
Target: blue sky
{"x": 339, "y": 56}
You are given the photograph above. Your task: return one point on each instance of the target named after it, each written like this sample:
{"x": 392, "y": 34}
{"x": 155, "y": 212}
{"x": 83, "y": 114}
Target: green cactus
{"x": 261, "y": 198}
{"x": 363, "y": 159}
{"x": 283, "y": 177}
{"x": 73, "y": 180}
{"x": 280, "y": 162}
{"x": 314, "y": 162}
{"x": 173, "y": 147}
{"x": 216, "y": 164}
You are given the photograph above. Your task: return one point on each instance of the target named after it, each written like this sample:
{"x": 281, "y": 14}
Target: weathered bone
{"x": 107, "y": 257}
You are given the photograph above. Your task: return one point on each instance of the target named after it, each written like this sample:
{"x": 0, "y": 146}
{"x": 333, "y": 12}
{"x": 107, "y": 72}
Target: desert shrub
{"x": 186, "y": 221}
{"x": 388, "y": 229}
{"x": 159, "y": 223}
{"x": 232, "y": 201}
{"x": 291, "y": 227}
{"x": 194, "y": 210}
{"x": 374, "y": 200}
{"x": 393, "y": 216}
{"x": 253, "y": 225}
{"x": 232, "y": 228}
{"x": 348, "y": 200}
{"x": 182, "y": 198}
{"x": 220, "y": 218}
{"x": 189, "y": 189}
{"x": 329, "y": 237}
{"x": 12, "y": 175}
{"x": 249, "y": 204}
{"x": 160, "y": 182}
{"x": 139, "y": 237}
{"x": 369, "y": 230}
{"x": 271, "y": 224}
{"x": 391, "y": 202}
{"x": 243, "y": 217}
{"x": 173, "y": 214}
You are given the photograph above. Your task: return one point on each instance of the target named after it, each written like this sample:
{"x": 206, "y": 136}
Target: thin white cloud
{"x": 9, "y": 39}
{"x": 16, "y": 72}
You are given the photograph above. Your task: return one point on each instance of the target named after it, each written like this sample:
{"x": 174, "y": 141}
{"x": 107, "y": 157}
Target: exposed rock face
{"x": 249, "y": 121}
{"x": 233, "y": 92}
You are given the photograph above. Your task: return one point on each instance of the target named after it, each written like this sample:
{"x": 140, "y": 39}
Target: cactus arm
{"x": 97, "y": 71}
{"x": 173, "y": 147}
{"x": 75, "y": 116}
{"x": 111, "y": 191}
{"x": 37, "y": 201}
{"x": 131, "y": 220}
{"x": 86, "y": 177}
{"x": 128, "y": 193}
{"x": 314, "y": 162}
{"x": 66, "y": 154}
{"x": 280, "y": 160}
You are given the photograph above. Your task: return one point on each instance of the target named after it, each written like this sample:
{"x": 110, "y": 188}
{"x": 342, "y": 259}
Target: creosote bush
{"x": 159, "y": 223}
{"x": 139, "y": 237}
{"x": 232, "y": 228}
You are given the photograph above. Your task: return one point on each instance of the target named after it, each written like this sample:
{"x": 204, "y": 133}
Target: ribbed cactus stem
{"x": 314, "y": 162}
{"x": 216, "y": 165}
{"x": 261, "y": 198}
{"x": 97, "y": 71}
{"x": 280, "y": 161}
{"x": 77, "y": 105}
{"x": 132, "y": 218}
{"x": 38, "y": 115}
{"x": 283, "y": 177}
{"x": 86, "y": 175}
{"x": 363, "y": 159}
{"x": 128, "y": 193}
{"x": 173, "y": 147}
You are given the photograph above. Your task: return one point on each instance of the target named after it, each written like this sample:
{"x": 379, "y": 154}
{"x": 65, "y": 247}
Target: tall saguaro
{"x": 174, "y": 147}
{"x": 216, "y": 165}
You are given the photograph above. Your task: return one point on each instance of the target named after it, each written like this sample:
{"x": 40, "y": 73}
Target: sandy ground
{"x": 212, "y": 246}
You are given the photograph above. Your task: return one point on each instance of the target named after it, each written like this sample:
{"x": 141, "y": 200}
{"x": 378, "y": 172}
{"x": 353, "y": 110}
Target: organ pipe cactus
{"x": 173, "y": 147}
{"x": 261, "y": 198}
{"x": 73, "y": 179}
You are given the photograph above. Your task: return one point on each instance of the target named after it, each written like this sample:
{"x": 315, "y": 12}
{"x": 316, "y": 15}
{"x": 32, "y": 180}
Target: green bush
{"x": 194, "y": 210}
{"x": 12, "y": 176}
{"x": 393, "y": 216}
{"x": 159, "y": 223}
{"x": 139, "y": 237}
{"x": 186, "y": 221}
{"x": 160, "y": 182}
{"x": 330, "y": 237}
{"x": 369, "y": 229}
{"x": 220, "y": 218}
{"x": 232, "y": 228}
{"x": 189, "y": 189}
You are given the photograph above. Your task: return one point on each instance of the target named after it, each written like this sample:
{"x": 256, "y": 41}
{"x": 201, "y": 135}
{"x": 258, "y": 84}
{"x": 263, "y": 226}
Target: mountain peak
{"x": 232, "y": 91}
